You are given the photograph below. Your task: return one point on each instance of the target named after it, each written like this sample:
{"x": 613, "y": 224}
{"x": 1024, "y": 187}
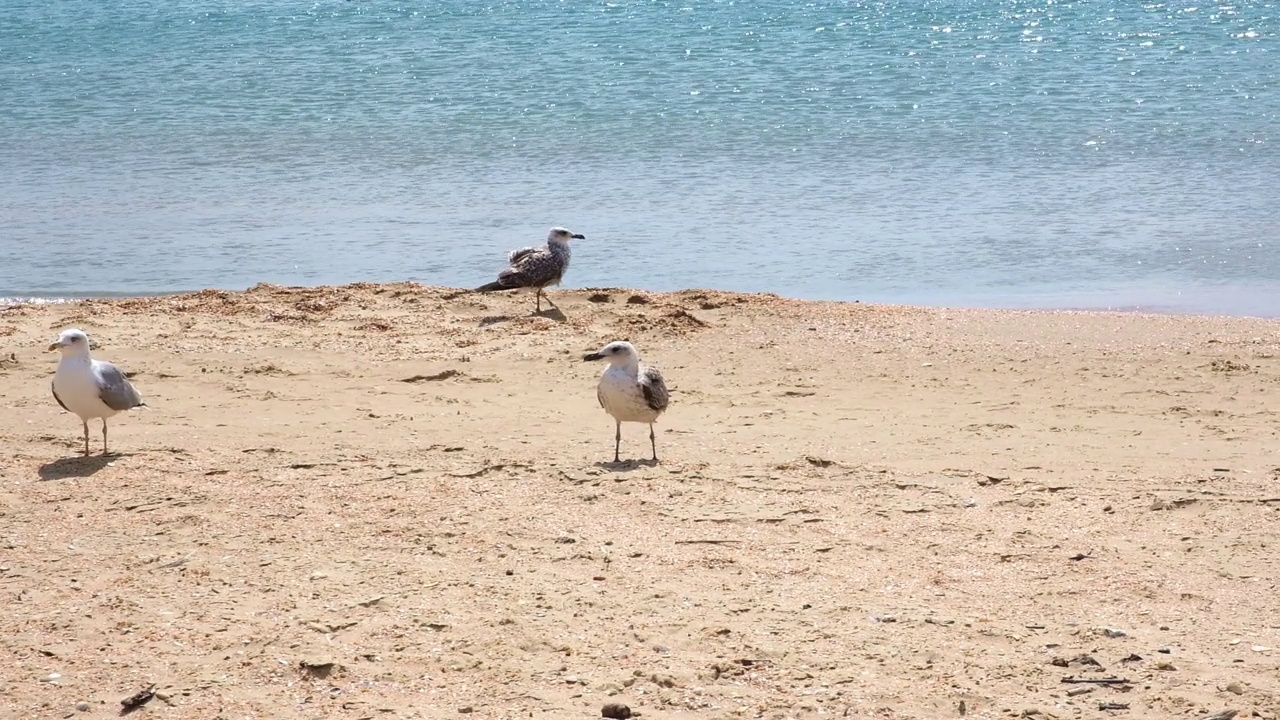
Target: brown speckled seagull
{"x": 536, "y": 267}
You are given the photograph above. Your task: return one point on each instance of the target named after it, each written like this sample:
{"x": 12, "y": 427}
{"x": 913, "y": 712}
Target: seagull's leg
{"x": 653, "y": 443}
{"x": 617, "y": 441}
{"x": 104, "y": 436}
{"x": 539, "y": 300}
{"x": 85, "y": 423}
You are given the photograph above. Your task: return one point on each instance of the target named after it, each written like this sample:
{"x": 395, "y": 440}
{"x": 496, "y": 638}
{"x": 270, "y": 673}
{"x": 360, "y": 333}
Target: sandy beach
{"x": 373, "y": 501}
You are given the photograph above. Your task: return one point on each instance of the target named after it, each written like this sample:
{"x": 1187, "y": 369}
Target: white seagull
{"x": 90, "y": 388}
{"x": 537, "y": 268}
{"x": 630, "y": 391}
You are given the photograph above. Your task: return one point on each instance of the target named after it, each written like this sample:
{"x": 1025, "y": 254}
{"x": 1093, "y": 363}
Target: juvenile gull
{"x": 536, "y": 267}
{"x": 629, "y": 390}
{"x": 90, "y": 388}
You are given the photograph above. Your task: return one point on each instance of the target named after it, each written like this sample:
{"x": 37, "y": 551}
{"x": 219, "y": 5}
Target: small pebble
{"x": 52, "y": 677}
{"x": 1076, "y": 692}
{"x": 1235, "y": 688}
{"x": 662, "y": 680}
{"x": 466, "y": 709}
{"x": 617, "y": 711}
{"x": 83, "y": 706}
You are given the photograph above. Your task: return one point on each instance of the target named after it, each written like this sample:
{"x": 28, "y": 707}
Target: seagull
{"x": 536, "y": 267}
{"x": 630, "y": 391}
{"x": 90, "y": 388}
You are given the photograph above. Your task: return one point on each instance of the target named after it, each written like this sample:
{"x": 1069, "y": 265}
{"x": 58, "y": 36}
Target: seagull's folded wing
{"x": 655, "y": 389}
{"x": 533, "y": 269}
{"x": 114, "y": 388}
{"x": 515, "y": 255}
{"x": 54, "y": 388}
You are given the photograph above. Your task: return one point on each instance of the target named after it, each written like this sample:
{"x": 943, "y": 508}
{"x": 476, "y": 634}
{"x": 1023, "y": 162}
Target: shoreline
{"x": 363, "y": 500}
{"x": 52, "y": 299}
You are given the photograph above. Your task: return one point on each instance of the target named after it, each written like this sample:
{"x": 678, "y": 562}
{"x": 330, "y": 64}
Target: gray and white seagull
{"x": 536, "y": 267}
{"x": 90, "y": 388}
{"x": 629, "y": 390}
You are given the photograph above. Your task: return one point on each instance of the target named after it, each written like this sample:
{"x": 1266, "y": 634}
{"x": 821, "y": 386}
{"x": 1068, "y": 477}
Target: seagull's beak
{"x": 592, "y": 356}
{"x": 55, "y": 346}
{"x": 578, "y": 236}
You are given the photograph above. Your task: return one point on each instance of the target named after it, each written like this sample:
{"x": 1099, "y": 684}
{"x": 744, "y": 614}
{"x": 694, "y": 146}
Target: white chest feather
{"x": 77, "y": 388}
{"x": 622, "y": 396}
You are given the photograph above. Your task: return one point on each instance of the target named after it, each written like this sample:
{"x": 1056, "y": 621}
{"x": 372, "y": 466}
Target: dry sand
{"x": 376, "y": 502}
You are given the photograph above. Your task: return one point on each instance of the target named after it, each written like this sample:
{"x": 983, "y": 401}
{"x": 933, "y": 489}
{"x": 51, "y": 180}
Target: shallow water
{"x": 1011, "y": 154}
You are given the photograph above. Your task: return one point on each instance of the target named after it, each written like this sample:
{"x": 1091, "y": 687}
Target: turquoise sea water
{"x": 954, "y": 152}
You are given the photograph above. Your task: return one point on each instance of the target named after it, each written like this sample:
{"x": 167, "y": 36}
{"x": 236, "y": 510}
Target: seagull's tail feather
{"x": 491, "y": 287}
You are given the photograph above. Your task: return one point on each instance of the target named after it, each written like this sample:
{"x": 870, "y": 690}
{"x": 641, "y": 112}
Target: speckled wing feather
{"x": 514, "y": 256}
{"x": 535, "y": 268}
{"x": 114, "y": 388}
{"x": 654, "y": 389}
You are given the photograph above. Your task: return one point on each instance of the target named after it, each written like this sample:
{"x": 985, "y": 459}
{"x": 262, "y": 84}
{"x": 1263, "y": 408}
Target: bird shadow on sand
{"x": 488, "y": 320}
{"x": 78, "y": 466}
{"x": 627, "y": 465}
{"x": 551, "y": 313}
